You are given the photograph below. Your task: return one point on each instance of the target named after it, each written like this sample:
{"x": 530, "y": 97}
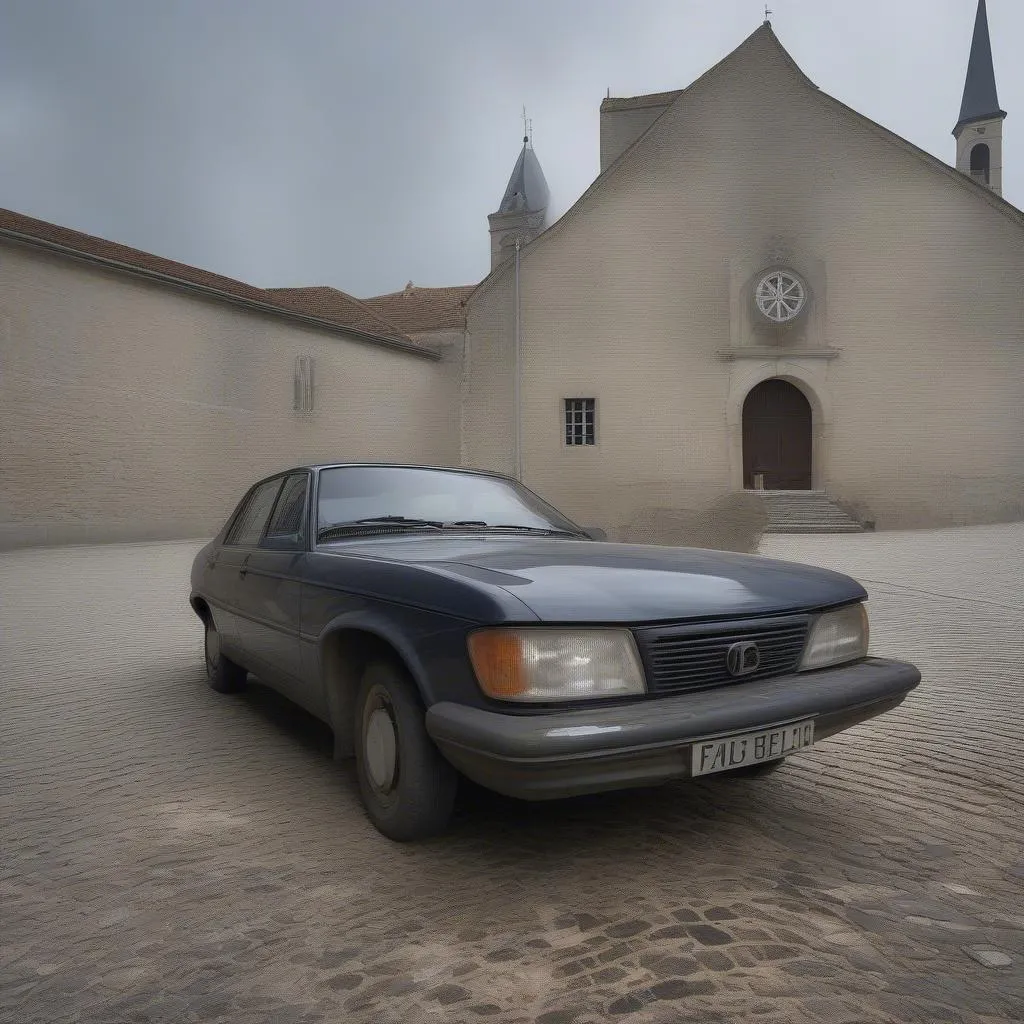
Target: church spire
{"x": 522, "y": 213}
{"x": 980, "y": 102}
{"x": 979, "y": 130}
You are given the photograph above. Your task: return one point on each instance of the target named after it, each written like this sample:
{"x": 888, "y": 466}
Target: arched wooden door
{"x": 777, "y": 436}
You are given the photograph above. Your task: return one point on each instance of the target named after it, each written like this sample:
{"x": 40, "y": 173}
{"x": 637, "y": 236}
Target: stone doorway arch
{"x": 778, "y": 437}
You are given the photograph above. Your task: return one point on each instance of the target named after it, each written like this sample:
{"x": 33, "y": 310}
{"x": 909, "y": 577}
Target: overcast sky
{"x": 362, "y": 144}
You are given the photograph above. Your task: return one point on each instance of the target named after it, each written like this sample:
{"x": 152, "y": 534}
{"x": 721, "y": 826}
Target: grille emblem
{"x": 743, "y": 658}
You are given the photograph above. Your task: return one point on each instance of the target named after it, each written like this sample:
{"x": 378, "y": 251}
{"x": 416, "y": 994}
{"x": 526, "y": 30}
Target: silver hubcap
{"x": 381, "y": 749}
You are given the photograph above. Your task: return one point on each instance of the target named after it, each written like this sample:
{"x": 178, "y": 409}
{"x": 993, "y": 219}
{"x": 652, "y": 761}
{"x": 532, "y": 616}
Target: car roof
{"x": 317, "y": 466}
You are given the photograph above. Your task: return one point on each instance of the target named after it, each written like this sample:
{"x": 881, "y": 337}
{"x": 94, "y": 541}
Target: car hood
{"x": 587, "y": 581}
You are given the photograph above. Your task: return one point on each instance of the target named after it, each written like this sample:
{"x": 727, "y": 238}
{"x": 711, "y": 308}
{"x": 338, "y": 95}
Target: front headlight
{"x": 837, "y": 637}
{"x": 556, "y": 664}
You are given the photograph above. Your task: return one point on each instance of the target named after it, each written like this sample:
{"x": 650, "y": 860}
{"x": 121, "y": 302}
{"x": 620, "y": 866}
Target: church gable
{"x": 753, "y": 122}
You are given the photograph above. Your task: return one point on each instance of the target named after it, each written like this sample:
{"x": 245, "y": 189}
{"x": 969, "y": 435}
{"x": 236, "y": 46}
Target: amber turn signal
{"x": 497, "y": 658}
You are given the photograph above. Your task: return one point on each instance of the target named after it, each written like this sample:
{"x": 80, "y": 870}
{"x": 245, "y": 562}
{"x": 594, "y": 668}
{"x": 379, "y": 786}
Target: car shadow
{"x": 481, "y": 815}
{"x": 287, "y": 719}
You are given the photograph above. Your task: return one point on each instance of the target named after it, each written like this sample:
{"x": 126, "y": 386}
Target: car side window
{"x": 248, "y": 527}
{"x": 289, "y": 516}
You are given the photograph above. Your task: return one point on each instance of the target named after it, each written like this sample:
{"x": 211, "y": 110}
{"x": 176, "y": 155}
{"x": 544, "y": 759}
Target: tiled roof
{"x": 340, "y": 310}
{"x": 414, "y": 310}
{"x": 332, "y": 304}
{"x": 101, "y": 247}
{"x": 651, "y": 99}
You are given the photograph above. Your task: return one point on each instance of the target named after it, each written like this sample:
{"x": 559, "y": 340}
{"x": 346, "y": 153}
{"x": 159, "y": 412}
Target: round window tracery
{"x": 780, "y": 296}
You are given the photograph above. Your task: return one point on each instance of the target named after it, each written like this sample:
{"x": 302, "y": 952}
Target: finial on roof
{"x": 767, "y": 15}
{"x": 527, "y": 129}
{"x": 408, "y": 287}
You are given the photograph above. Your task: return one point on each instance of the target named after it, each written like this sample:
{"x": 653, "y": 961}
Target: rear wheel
{"x": 223, "y": 674}
{"x": 408, "y": 788}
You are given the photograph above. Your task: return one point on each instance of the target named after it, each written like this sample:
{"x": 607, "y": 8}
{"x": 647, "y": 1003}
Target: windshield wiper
{"x": 548, "y": 531}
{"x": 371, "y": 521}
{"x": 357, "y": 525}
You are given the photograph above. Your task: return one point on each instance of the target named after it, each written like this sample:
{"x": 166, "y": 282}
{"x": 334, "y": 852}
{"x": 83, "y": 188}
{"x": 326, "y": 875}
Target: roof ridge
{"x": 419, "y": 310}
{"x": 24, "y": 228}
{"x": 419, "y": 288}
{"x": 370, "y": 312}
{"x": 647, "y": 99}
{"x": 12, "y": 220}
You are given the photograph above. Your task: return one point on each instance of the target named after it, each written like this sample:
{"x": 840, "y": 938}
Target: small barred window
{"x": 579, "y": 421}
{"x": 304, "y": 390}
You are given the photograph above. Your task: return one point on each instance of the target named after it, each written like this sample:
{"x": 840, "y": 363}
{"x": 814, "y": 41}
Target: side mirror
{"x": 595, "y": 533}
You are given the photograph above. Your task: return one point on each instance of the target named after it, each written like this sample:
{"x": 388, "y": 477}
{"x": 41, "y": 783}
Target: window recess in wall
{"x": 303, "y": 384}
{"x": 579, "y": 421}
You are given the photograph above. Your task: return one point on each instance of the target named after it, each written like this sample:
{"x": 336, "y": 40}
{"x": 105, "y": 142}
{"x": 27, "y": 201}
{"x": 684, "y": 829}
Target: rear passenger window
{"x": 289, "y": 514}
{"x": 248, "y": 527}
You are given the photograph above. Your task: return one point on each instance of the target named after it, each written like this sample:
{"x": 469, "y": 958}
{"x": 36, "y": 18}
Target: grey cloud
{"x": 364, "y": 144}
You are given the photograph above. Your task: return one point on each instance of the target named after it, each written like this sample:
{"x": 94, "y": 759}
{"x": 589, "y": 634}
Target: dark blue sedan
{"x": 447, "y": 622}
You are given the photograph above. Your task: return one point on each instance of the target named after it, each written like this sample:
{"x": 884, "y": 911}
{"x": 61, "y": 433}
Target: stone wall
{"x": 131, "y": 411}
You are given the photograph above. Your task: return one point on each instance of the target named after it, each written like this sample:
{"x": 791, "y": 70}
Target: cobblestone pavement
{"x": 172, "y": 855}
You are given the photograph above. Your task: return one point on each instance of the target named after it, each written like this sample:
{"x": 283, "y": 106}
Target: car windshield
{"x": 434, "y": 497}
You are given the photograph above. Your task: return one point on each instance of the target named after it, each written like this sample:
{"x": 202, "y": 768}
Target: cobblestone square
{"x": 169, "y": 854}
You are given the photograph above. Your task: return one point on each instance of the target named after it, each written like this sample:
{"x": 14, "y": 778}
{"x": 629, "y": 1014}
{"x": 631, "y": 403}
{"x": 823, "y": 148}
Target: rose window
{"x": 780, "y": 296}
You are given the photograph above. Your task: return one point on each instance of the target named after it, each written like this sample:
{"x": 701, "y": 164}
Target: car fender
{"x": 338, "y": 701}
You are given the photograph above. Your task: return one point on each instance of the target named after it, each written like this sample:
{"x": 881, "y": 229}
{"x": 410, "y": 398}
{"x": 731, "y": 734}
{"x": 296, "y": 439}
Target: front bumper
{"x": 590, "y": 750}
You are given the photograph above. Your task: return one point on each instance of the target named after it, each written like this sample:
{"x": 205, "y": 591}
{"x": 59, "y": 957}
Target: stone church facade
{"x": 745, "y": 300}
{"x": 741, "y": 301}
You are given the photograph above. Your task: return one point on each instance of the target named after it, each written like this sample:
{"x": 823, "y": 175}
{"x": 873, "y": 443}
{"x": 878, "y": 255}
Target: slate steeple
{"x": 979, "y": 129}
{"x": 527, "y": 189}
{"x": 523, "y": 210}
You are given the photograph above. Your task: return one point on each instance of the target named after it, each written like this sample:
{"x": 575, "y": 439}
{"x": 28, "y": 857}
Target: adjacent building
{"x": 762, "y": 290}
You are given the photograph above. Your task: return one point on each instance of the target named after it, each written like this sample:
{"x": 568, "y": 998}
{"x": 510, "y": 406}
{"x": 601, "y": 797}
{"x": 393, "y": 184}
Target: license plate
{"x": 726, "y": 752}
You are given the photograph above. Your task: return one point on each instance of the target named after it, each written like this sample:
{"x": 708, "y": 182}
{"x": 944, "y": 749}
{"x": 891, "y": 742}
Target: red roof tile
{"x": 332, "y": 304}
{"x": 329, "y": 305}
{"x": 415, "y": 310}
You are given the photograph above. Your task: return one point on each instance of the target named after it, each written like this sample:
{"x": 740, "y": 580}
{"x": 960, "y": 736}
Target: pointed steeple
{"x": 980, "y": 102}
{"x": 522, "y": 213}
{"x": 979, "y": 131}
{"x": 527, "y": 189}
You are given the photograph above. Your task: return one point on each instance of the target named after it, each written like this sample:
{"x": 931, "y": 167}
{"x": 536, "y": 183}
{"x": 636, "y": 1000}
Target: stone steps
{"x": 805, "y": 512}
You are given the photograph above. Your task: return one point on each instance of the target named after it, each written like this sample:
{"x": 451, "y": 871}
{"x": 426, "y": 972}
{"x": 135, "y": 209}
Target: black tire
{"x": 757, "y": 771}
{"x": 223, "y": 674}
{"x": 408, "y": 788}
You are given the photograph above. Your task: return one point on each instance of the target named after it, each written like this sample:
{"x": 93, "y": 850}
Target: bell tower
{"x": 523, "y": 211}
{"x": 979, "y": 131}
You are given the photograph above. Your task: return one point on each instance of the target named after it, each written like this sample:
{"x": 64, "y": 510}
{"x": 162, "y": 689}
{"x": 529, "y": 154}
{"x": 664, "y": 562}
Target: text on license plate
{"x": 726, "y": 752}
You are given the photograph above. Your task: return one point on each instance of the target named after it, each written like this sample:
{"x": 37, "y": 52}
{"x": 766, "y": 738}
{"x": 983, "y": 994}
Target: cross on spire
{"x": 527, "y": 128}
{"x": 767, "y": 14}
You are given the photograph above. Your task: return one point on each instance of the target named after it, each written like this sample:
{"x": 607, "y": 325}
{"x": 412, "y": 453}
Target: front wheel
{"x": 408, "y": 788}
{"x": 224, "y": 675}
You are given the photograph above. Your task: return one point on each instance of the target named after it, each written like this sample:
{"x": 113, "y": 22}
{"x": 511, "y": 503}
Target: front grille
{"x": 681, "y": 658}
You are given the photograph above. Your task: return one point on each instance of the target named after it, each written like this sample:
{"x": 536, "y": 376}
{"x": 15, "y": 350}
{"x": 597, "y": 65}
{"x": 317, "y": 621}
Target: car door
{"x": 271, "y": 589}
{"x": 228, "y": 571}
